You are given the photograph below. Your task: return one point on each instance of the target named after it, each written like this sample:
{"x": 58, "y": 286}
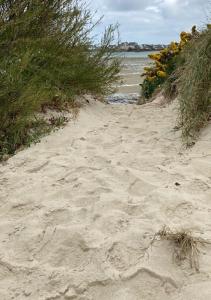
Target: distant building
{"x": 123, "y": 46}
{"x": 133, "y": 46}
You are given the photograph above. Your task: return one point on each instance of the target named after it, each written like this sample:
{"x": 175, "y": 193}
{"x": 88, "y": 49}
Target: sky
{"x": 151, "y": 21}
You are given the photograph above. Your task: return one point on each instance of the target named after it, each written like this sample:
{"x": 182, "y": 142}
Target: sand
{"x": 78, "y": 210}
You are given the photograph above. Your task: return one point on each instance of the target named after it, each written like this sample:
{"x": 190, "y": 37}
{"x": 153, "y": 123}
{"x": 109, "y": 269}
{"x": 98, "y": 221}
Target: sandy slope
{"x": 79, "y": 210}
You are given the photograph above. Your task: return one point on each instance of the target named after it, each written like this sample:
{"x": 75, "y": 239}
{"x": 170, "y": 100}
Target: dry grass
{"x": 186, "y": 246}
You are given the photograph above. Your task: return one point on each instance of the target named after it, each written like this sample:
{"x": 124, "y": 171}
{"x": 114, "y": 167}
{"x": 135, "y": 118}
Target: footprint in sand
{"x": 183, "y": 210}
{"x": 122, "y": 256}
{"x": 37, "y": 169}
{"x": 65, "y": 247}
{"x": 140, "y": 188}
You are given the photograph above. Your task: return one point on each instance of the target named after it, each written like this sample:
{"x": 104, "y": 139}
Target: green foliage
{"x": 149, "y": 87}
{"x": 188, "y": 77}
{"x": 47, "y": 54}
{"x": 164, "y": 64}
{"x": 194, "y": 86}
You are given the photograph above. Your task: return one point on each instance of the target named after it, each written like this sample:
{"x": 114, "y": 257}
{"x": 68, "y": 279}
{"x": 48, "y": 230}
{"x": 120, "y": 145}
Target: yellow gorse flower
{"x": 164, "y": 51}
{"x": 147, "y": 69}
{"x": 163, "y": 64}
{"x": 161, "y": 74}
{"x": 160, "y": 66}
{"x": 185, "y": 37}
{"x": 173, "y": 46}
{"x": 150, "y": 78}
{"x": 164, "y": 57}
{"x": 156, "y": 56}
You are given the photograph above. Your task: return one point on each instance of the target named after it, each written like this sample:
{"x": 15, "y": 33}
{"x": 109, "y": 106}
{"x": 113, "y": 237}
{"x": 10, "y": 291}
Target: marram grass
{"x": 183, "y": 70}
{"x": 185, "y": 245}
{"x": 195, "y": 87}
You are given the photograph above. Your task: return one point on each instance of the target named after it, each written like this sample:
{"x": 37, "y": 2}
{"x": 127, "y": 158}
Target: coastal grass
{"x": 170, "y": 86}
{"x": 187, "y": 78}
{"x": 186, "y": 246}
{"x": 47, "y": 60}
{"x": 194, "y": 87}
{"x": 35, "y": 130}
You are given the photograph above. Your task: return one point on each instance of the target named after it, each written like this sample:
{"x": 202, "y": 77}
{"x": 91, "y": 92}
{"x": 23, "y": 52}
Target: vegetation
{"x": 194, "y": 86}
{"x": 184, "y": 70}
{"x": 165, "y": 62}
{"x": 186, "y": 246}
{"x": 47, "y": 58}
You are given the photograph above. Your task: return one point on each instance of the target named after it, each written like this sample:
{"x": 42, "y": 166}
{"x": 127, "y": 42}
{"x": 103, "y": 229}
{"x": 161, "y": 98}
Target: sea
{"x": 128, "y": 89}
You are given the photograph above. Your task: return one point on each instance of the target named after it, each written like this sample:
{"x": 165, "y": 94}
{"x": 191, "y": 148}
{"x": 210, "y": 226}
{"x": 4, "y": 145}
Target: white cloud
{"x": 127, "y": 5}
{"x": 151, "y": 21}
{"x": 154, "y": 9}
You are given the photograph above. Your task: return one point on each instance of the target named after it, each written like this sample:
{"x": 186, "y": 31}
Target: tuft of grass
{"x": 194, "y": 87}
{"x": 58, "y": 121}
{"x": 186, "y": 246}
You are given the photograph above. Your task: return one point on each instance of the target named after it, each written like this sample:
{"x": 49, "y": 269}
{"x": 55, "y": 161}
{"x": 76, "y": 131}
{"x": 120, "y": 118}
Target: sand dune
{"x": 79, "y": 210}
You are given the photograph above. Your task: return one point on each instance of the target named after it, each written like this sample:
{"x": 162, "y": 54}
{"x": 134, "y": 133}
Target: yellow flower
{"x": 173, "y": 47}
{"x": 147, "y": 69}
{"x": 185, "y": 37}
{"x": 160, "y": 66}
{"x": 155, "y": 56}
{"x": 150, "y": 78}
{"x": 182, "y": 44}
{"x": 164, "y": 51}
{"x": 161, "y": 74}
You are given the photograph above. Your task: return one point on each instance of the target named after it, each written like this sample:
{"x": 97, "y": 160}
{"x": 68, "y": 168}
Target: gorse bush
{"x": 165, "y": 62}
{"x": 194, "y": 86}
{"x": 184, "y": 69}
{"x": 46, "y": 55}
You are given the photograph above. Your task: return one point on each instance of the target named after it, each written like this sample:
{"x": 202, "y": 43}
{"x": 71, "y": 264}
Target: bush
{"x": 194, "y": 86}
{"x": 46, "y": 55}
{"x": 165, "y": 62}
{"x": 183, "y": 70}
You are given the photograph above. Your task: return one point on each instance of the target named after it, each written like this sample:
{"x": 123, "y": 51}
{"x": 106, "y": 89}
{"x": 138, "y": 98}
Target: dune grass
{"x": 186, "y": 74}
{"x": 194, "y": 86}
{"x": 186, "y": 246}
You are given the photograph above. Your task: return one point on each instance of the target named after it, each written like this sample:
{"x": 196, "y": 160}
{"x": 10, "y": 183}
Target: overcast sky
{"x": 151, "y": 21}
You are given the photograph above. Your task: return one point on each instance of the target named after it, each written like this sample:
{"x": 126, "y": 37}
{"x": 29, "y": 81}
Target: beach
{"x": 105, "y": 150}
{"x": 79, "y": 210}
{"x": 128, "y": 88}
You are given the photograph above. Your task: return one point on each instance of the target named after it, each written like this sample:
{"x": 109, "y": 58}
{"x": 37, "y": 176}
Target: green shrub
{"x": 149, "y": 87}
{"x": 187, "y": 76}
{"x": 46, "y": 55}
{"x": 164, "y": 64}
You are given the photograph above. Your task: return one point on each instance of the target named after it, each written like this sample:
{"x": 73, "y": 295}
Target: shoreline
{"x": 130, "y": 80}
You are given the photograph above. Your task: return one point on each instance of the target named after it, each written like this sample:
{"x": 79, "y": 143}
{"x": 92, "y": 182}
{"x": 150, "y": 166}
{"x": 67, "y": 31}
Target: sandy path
{"x": 78, "y": 210}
